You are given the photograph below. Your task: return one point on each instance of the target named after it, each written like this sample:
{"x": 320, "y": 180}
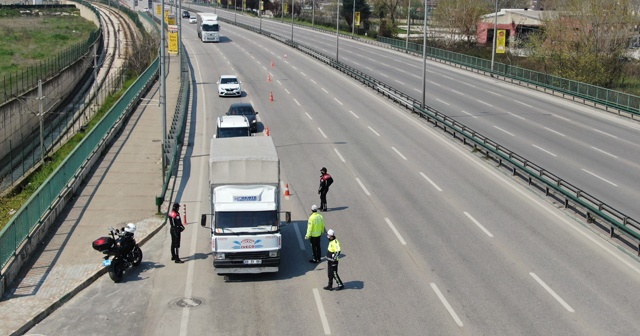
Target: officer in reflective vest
{"x": 333, "y": 254}
{"x": 315, "y": 228}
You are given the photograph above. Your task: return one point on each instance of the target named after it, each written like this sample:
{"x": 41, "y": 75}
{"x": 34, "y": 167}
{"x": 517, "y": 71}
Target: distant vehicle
{"x": 232, "y": 126}
{"x": 229, "y": 85}
{"x": 185, "y": 14}
{"x": 246, "y": 110}
{"x": 193, "y": 19}
{"x": 208, "y": 27}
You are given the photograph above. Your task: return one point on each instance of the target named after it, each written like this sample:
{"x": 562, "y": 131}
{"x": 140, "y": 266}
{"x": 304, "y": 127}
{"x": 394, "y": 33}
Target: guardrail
{"x": 572, "y": 197}
{"x": 594, "y": 94}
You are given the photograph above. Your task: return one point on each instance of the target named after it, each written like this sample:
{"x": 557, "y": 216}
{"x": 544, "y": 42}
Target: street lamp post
{"x": 424, "y": 54}
{"x": 408, "y": 22}
{"x": 353, "y": 19}
{"x": 337, "y": 27}
{"x": 313, "y": 12}
{"x": 292, "y": 20}
{"x": 495, "y": 35}
{"x": 235, "y": 11}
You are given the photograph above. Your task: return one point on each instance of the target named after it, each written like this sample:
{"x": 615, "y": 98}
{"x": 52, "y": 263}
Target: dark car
{"x": 246, "y": 110}
{"x": 185, "y": 14}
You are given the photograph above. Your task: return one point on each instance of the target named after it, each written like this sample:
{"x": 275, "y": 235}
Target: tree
{"x": 388, "y": 8}
{"x": 586, "y": 41}
{"x": 460, "y": 16}
{"x": 361, "y": 6}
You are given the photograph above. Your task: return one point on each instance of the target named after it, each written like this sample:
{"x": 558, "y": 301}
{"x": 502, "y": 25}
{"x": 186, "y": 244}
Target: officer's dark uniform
{"x": 176, "y": 229}
{"x": 323, "y": 189}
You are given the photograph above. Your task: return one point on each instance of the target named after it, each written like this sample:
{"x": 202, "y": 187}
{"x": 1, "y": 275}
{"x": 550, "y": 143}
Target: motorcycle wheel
{"x": 116, "y": 270}
{"x": 137, "y": 256}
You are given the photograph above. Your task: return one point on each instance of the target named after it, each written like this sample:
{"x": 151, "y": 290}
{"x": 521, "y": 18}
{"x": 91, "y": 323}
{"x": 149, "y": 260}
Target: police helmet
{"x": 131, "y": 228}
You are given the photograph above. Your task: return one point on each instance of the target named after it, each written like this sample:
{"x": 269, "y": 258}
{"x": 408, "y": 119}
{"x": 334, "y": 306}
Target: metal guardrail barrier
{"x": 597, "y": 95}
{"x": 572, "y": 197}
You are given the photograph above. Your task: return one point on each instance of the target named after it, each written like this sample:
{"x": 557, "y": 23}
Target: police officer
{"x": 176, "y": 229}
{"x": 333, "y": 254}
{"x": 315, "y": 228}
{"x": 325, "y": 181}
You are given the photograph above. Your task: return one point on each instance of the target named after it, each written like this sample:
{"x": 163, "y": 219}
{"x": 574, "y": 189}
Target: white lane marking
{"x": 483, "y": 102}
{"x": 308, "y": 115}
{"x": 355, "y": 115}
{"x": 557, "y": 116}
{"x": 398, "y": 152}
{"x": 323, "y": 316}
{"x": 339, "y": 102}
{"x": 325, "y": 91}
{"x": 393, "y": 228}
{"x": 304, "y": 74}
{"x": 447, "y": 305}
{"x": 544, "y": 150}
{"x": 458, "y": 92}
{"x": 444, "y": 102}
{"x": 517, "y": 116}
{"x": 363, "y": 187}
{"x": 555, "y": 296}
{"x": 603, "y": 152}
{"x": 296, "y": 102}
{"x": 518, "y": 189}
{"x": 447, "y": 76}
{"x": 588, "y": 172}
{"x": 374, "y": 131}
{"x": 285, "y": 89}
{"x": 468, "y": 84}
{"x": 278, "y": 81}
{"x": 314, "y": 82}
{"x": 478, "y": 224}
{"x": 605, "y": 133}
{"x": 300, "y": 240}
{"x": 429, "y": 180}
{"x": 556, "y": 132}
{"x": 339, "y": 155}
{"x": 519, "y": 102}
{"x": 384, "y": 75}
{"x": 511, "y": 134}
{"x": 434, "y": 83}
{"x": 463, "y": 111}
{"x": 321, "y": 132}
{"x": 399, "y": 82}
{"x": 495, "y": 93}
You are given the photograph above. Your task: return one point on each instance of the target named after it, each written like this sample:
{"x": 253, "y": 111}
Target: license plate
{"x": 106, "y": 262}
{"x": 252, "y": 262}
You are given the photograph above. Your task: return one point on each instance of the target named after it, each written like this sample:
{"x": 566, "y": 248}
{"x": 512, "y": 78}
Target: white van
{"x": 233, "y": 126}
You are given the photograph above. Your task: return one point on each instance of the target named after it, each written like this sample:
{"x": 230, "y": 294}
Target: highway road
{"x": 434, "y": 240}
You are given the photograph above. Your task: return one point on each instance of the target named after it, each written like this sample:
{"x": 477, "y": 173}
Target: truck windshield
{"x": 210, "y": 27}
{"x": 233, "y": 132}
{"x": 246, "y": 219}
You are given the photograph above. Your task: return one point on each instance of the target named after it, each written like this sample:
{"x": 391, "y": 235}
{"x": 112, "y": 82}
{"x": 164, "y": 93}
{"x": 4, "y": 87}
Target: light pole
{"x": 235, "y": 11}
{"x": 495, "y": 35}
{"x": 313, "y": 12}
{"x": 424, "y": 53}
{"x": 337, "y": 27}
{"x": 353, "y": 19}
{"x": 260, "y": 6}
{"x": 282, "y": 10}
{"x": 292, "y": 20}
{"x": 408, "y": 22}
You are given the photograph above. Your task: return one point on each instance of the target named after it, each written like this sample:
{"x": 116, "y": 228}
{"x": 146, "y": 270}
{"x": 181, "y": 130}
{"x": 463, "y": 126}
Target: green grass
{"x": 15, "y": 200}
{"x": 28, "y": 40}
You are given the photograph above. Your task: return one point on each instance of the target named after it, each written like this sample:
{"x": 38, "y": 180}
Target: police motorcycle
{"x": 122, "y": 247}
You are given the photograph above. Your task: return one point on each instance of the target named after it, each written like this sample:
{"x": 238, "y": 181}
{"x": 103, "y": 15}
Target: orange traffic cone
{"x": 286, "y": 190}
{"x": 270, "y": 96}
{"x": 269, "y": 78}
{"x": 267, "y": 131}
{"x": 272, "y": 64}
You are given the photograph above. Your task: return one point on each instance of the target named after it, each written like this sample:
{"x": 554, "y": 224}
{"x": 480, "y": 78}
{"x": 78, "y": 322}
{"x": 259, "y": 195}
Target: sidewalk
{"x": 121, "y": 189}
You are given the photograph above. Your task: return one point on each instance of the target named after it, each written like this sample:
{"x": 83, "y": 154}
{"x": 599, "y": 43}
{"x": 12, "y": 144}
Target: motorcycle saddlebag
{"x": 103, "y": 243}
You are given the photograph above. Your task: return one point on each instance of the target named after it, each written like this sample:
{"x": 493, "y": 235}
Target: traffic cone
{"x": 270, "y": 96}
{"x": 267, "y": 131}
{"x": 286, "y": 190}
{"x": 269, "y": 78}
{"x": 273, "y": 64}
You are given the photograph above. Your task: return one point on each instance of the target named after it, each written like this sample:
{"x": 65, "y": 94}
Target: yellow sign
{"x": 158, "y": 9}
{"x": 357, "y": 19}
{"x": 261, "y": 5}
{"x": 230, "y": 3}
{"x": 286, "y": 7}
{"x": 166, "y": 15}
{"x": 171, "y": 19}
{"x": 173, "y": 39}
{"x": 244, "y": 5}
{"x": 501, "y": 41}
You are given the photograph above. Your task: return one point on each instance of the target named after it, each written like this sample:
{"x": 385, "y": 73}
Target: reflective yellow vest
{"x": 333, "y": 251}
{"x": 315, "y": 226}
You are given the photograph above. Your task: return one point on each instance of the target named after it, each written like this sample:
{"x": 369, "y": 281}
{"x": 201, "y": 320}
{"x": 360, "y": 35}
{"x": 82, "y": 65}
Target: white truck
{"x": 208, "y": 27}
{"x": 244, "y": 193}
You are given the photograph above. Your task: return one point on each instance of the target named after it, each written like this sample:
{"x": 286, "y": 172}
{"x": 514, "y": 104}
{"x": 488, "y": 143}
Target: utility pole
{"x": 40, "y": 114}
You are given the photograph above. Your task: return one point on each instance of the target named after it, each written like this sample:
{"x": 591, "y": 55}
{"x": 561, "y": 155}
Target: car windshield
{"x": 228, "y": 81}
{"x": 210, "y": 27}
{"x": 233, "y": 132}
{"x": 233, "y": 219}
{"x": 241, "y": 110}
